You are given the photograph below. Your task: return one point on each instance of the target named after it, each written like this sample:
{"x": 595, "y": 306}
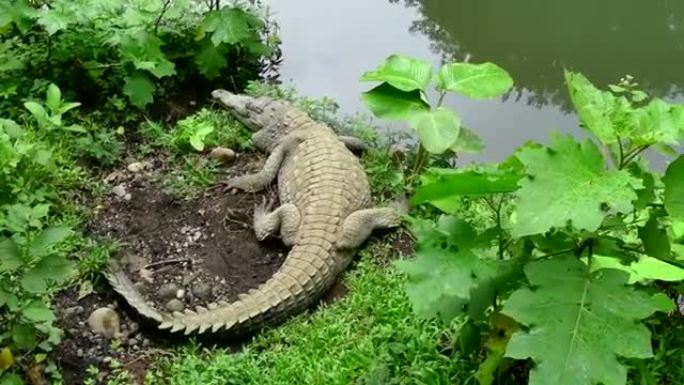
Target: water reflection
{"x": 535, "y": 39}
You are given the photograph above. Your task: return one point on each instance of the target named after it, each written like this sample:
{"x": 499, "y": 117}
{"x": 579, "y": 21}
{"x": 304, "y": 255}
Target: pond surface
{"x": 328, "y": 44}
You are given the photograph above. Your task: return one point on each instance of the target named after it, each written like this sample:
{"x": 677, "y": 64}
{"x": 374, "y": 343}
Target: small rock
{"x": 105, "y": 322}
{"x": 120, "y": 190}
{"x": 175, "y": 305}
{"x": 180, "y": 293}
{"x": 146, "y": 275}
{"x": 79, "y": 352}
{"x": 222, "y": 154}
{"x": 135, "y": 167}
{"x": 201, "y": 290}
{"x": 167, "y": 290}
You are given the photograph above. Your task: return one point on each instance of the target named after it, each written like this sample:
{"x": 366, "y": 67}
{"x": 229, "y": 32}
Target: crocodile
{"x": 325, "y": 214}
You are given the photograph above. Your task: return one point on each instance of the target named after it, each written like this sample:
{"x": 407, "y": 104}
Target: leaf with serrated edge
{"x": 674, "y": 188}
{"x": 579, "y": 323}
{"x": 477, "y": 81}
{"x": 139, "y": 90}
{"x": 450, "y": 183}
{"x": 569, "y": 183}
{"x": 9, "y": 256}
{"x": 402, "y": 72}
{"x": 645, "y": 269}
{"x": 39, "y": 312}
{"x": 446, "y": 268}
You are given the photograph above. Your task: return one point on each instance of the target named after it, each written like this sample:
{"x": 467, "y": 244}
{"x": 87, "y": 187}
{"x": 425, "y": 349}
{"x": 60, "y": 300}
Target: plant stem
{"x": 165, "y": 7}
{"x": 633, "y": 154}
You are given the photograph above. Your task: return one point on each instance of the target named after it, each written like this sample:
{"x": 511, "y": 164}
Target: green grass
{"x": 368, "y": 337}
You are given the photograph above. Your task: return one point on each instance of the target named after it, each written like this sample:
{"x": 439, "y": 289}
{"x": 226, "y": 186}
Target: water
{"x": 328, "y": 44}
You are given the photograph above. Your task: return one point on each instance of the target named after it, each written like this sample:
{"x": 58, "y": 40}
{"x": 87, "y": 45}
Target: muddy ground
{"x": 179, "y": 253}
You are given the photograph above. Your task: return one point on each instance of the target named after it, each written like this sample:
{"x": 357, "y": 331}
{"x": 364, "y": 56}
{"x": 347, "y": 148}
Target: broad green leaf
{"x": 228, "y": 25}
{"x": 54, "y": 19}
{"x": 143, "y": 49}
{"x": 197, "y": 138}
{"x": 644, "y": 269}
{"x": 451, "y": 183}
{"x": 580, "y": 323}
{"x": 37, "y": 111}
{"x": 569, "y": 183}
{"x": 139, "y": 90}
{"x": 447, "y": 267}
{"x": 477, "y": 81}
{"x": 674, "y": 188}
{"x": 594, "y": 107}
{"x": 41, "y": 244}
{"x": 438, "y": 129}
{"x": 64, "y": 107}
{"x": 402, "y": 72}
{"x": 9, "y": 256}
{"x": 39, "y": 312}
{"x": 387, "y": 102}
{"x": 655, "y": 240}
{"x": 53, "y": 97}
{"x": 467, "y": 142}
{"x": 52, "y": 268}
{"x": 11, "y": 379}
{"x": 24, "y": 336}
{"x": 654, "y": 123}
{"x": 18, "y": 12}
{"x": 11, "y": 128}
{"x": 210, "y": 60}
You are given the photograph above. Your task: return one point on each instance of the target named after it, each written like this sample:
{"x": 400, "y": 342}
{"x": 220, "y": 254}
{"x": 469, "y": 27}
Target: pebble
{"x": 175, "y": 305}
{"x": 136, "y": 167}
{"x": 222, "y": 154}
{"x": 180, "y": 293}
{"x": 105, "y": 322}
{"x": 120, "y": 190}
{"x": 201, "y": 290}
{"x": 167, "y": 290}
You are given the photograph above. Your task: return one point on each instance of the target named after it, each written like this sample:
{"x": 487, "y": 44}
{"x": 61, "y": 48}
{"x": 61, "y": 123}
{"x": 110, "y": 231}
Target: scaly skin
{"x": 323, "y": 217}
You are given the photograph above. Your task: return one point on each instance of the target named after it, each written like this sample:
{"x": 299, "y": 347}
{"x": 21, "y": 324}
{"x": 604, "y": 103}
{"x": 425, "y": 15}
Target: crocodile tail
{"x": 123, "y": 285}
{"x": 306, "y": 273}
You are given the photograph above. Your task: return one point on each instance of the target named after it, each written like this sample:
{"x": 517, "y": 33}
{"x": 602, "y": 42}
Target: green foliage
{"x": 402, "y": 95}
{"x": 591, "y": 227}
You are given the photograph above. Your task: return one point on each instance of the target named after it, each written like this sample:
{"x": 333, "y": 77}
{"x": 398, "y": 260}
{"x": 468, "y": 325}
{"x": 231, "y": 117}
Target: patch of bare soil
{"x": 179, "y": 253}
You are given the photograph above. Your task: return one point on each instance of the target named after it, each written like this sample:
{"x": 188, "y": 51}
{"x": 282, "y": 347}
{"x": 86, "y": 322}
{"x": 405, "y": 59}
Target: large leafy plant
{"x": 565, "y": 268}
{"x": 402, "y": 95}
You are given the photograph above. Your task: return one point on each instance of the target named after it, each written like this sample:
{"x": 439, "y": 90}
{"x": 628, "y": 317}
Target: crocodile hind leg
{"x": 358, "y": 226}
{"x": 354, "y": 144}
{"x": 260, "y": 180}
{"x": 284, "y": 219}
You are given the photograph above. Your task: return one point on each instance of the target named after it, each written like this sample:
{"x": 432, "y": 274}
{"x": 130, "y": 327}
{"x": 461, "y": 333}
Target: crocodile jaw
{"x": 242, "y": 107}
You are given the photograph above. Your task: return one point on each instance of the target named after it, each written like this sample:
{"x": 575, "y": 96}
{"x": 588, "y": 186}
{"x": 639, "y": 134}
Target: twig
{"x": 165, "y": 7}
{"x": 166, "y": 262}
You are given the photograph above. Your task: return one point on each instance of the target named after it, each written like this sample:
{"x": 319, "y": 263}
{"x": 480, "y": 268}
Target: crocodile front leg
{"x": 285, "y": 218}
{"x": 358, "y": 226}
{"x": 260, "y": 180}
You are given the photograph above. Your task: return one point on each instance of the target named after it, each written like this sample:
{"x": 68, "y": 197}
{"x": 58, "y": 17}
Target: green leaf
{"x": 227, "y": 25}
{"x": 452, "y": 183}
{"x": 197, "y": 138}
{"x": 9, "y": 256}
{"x": 54, "y": 20}
{"x": 674, "y": 188}
{"x": 52, "y": 268}
{"x": 6, "y": 359}
{"x": 387, "y": 102}
{"x": 39, "y": 312}
{"x": 655, "y": 240}
{"x": 210, "y": 60}
{"x": 37, "y": 111}
{"x": 143, "y": 49}
{"x": 402, "y": 72}
{"x": 569, "y": 183}
{"x": 580, "y": 323}
{"x": 64, "y": 107}
{"x": 644, "y": 269}
{"x": 11, "y": 128}
{"x": 477, "y": 81}
{"x": 53, "y": 97}
{"x": 41, "y": 245}
{"x": 24, "y": 336}
{"x": 139, "y": 90}
{"x": 438, "y": 129}
{"x": 594, "y": 107}
{"x": 11, "y": 379}
{"x": 446, "y": 269}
